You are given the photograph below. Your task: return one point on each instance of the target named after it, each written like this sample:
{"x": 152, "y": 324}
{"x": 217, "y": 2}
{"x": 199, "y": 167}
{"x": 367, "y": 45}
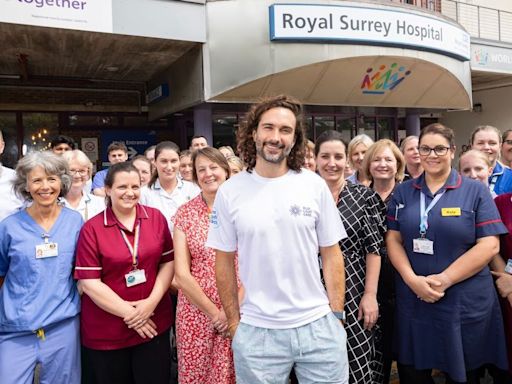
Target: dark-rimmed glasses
{"x": 439, "y": 150}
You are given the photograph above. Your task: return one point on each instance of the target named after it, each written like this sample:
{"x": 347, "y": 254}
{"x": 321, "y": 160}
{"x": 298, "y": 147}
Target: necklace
{"x": 209, "y": 211}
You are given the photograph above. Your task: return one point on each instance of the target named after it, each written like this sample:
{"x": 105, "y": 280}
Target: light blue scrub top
{"x": 37, "y": 292}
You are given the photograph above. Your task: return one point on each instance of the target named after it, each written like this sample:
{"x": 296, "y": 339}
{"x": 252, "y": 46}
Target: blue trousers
{"x": 317, "y": 351}
{"x": 58, "y": 353}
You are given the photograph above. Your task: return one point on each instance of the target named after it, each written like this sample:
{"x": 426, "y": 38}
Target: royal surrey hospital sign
{"x": 353, "y": 23}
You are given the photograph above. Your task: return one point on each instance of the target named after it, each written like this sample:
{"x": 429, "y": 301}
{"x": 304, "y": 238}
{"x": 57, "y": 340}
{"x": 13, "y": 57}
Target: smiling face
{"x": 487, "y": 141}
{"x": 186, "y": 167}
{"x": 43, "y": 188}
{"x": 383, "y": 166}
{"x": 125, "y": 191}
{"x": 167, "y": 164}
{"x": 411, "y": 154}
{"x": 309, "y": 160}
{"x": 144, "y": 171}
{"x": 275, "y": 135}
{"x": 475, "y": 168}
{"x": 357, "y": 156}
{"x": 434, "y": 164}
{"x": 210, "y": 175}
{"x": 79, "y": 173}
{"x": 331, "y": 161}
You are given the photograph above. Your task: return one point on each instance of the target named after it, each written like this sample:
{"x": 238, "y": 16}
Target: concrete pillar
{"x": 412, "y": 123}
{"x": 203, "y": 122}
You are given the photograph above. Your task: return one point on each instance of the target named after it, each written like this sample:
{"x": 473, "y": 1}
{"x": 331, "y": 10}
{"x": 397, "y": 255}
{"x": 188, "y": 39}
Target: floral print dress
{"x": 204, "y": 356}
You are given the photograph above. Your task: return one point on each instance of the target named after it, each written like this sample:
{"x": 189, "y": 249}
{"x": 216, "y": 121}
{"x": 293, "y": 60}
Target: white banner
{"x": 85, "y": 15}
{"x": 357, "y": 23}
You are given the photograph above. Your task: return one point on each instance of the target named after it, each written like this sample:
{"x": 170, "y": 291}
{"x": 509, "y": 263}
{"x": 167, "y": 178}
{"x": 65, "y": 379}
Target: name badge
{"x": 508, "y": 268}
{"x": 425, "y": 246}
{"x": 47, "y": 250}
{"x": 450, "y": 212}
{"x": 135, "y": 277}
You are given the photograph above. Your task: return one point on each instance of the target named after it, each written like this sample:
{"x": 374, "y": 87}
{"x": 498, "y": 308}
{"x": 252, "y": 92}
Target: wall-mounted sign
{"x": 136, "y": 142}
{"x": 84, "y": 15}
{"x": 90, "y": 147}
{"x": 355, "y": 23}
{"x": 492, "y": 59}
{"x": 157, "y": 94}
{"x": 381, "y": 79}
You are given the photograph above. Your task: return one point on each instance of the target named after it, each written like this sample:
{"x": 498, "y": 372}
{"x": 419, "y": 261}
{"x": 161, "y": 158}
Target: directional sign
{"x": 135, "y": 141}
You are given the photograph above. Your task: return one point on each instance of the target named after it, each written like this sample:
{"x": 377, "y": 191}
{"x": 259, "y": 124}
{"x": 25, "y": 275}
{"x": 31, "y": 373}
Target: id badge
{"x": 47, "y": 250}
{"x": 135, "y": 277}
{"x": 422, "y": 245}
{"x": 508, "y": 268}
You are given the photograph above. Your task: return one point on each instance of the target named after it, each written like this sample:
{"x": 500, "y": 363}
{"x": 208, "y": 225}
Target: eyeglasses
{"x": 439, "y": 150}
{"x": 81, "y": 172}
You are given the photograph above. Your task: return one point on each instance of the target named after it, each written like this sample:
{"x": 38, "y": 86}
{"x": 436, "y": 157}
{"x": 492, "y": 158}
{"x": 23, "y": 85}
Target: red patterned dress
{"x": 204, "y": 356}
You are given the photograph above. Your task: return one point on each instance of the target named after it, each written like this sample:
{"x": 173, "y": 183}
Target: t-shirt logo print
{"x": 295, "y": 210}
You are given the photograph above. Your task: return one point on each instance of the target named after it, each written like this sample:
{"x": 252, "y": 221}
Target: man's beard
{"x": 275, "y": 159}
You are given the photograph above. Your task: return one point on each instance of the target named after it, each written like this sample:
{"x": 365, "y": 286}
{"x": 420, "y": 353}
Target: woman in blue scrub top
{"x": 442, "y": 232}
{"x": 487, "y": 139}
{"x": 39, "y": 302}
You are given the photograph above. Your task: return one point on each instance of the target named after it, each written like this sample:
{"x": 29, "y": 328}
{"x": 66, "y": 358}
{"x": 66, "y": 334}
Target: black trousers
{"x": 147, "y": 363}
{"x": 410, "y": 375}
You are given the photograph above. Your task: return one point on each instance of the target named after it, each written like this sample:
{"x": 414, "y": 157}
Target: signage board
{"x": 491, "y": 59}
{"x": 357, "y": 23}
{"x": 136, "y": 142}
{"x": 84, "y": 15}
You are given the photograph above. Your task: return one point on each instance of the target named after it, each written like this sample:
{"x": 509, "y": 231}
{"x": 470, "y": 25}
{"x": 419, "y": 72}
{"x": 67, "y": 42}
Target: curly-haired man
{"x": 277, "y": 216}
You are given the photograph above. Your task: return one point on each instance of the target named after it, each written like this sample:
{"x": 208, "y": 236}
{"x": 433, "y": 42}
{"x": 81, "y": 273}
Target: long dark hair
{"x": 160, "y": 147}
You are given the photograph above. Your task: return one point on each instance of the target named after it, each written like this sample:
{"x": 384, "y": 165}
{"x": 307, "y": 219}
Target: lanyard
{"x": 133, "y": 250}
{"x": 424, "y": 212}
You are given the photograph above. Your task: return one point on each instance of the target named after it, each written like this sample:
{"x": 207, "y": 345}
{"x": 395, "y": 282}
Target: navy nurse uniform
{"x": 463, "y": 330}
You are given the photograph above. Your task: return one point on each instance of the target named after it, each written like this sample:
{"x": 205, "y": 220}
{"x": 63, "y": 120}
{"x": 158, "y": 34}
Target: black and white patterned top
{"x": 363, "y": 214}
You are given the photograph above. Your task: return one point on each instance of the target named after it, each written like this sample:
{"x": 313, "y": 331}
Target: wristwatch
{"x": 340, "y": 316}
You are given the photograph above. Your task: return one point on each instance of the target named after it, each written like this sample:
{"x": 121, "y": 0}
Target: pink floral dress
{"x": 204, "y": 356}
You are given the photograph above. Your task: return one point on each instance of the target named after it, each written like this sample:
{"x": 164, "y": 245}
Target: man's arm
{"x": 227, "y": 286}
{"x": 333, "y": 267}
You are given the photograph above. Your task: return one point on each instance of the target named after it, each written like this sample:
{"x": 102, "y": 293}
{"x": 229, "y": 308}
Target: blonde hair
{"x": 478, "y": 154}
{"x": 378, "y": 147}
{"x": 406, "y": 140}
{"x": 359, "y": 139}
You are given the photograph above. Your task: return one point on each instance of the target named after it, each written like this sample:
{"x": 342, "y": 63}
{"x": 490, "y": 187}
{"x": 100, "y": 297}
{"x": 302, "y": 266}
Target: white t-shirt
{"x": 168, "y": 203}
{"x": 277, "y": 225}
{"x": 9, "y": 202}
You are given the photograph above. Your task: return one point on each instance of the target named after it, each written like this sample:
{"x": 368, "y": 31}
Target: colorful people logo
{"x": 383, "y": 80}
{"x": 481, "y": 56}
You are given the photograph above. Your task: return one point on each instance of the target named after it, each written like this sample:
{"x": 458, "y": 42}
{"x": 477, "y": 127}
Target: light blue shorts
{"x": 58, "y": 354}
{"x": 317, "y": 351}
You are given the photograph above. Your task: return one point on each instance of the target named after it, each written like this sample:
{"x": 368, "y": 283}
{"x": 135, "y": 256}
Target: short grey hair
{"x": 80, "y": 157}
{"x": 52, "y": 165}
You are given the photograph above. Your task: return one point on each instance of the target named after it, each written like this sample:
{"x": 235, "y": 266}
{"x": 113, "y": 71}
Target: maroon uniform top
{"x": 102, "y": 253}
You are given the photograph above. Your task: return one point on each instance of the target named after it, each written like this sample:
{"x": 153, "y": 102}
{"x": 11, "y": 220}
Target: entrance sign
{"x": 84, "y": 15}
{"x": 355, "y": 23}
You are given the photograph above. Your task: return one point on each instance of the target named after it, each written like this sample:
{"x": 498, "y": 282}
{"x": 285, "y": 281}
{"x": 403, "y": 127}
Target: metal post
{"x": 499, "y": 25}
{"x": 478, "y": 13}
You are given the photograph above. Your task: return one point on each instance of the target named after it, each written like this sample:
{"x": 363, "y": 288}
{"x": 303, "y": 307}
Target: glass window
{"x": 224, "y": 130}
{"x": 385, "y": 128}
{"x": 310, "y": 133}
{"x": 345, "y": 125}
{"x": 366, "y": 125}
{"x": 9, "y": 133}
{"x": 39, "y": 129}
{"x": 322, "y": 124}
